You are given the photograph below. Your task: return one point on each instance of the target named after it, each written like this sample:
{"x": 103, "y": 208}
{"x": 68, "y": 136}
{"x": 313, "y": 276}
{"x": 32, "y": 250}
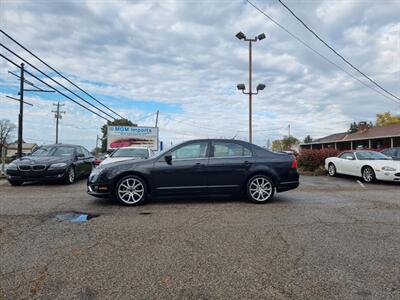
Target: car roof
{"x": 61, "y": 145}
{"x": 132, "y": 147}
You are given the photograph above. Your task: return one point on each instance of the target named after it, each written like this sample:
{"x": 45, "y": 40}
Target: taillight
{"x": 294, "y": 164}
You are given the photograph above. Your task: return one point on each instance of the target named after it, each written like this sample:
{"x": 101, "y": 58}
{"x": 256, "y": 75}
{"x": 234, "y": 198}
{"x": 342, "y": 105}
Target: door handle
{"x": 199, "y": 165}
{"x": 246, "y": 163}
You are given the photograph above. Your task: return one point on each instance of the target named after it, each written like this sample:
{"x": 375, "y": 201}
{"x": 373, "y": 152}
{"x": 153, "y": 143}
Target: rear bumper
{"x": 287, "y": 186}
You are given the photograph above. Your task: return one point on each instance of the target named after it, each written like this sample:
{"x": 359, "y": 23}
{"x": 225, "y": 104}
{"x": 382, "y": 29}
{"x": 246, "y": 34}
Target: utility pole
{"x": 242, "y": 36}
{"x": 21, "y": 110}
{"x": 289, "y": 130}
{"x": 57, "y": 115}
{"x": 157, "y": 118}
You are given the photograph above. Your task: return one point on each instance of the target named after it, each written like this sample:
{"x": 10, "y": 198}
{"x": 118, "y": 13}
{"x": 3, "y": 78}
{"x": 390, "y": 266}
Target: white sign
{"x": 124, "y": 136}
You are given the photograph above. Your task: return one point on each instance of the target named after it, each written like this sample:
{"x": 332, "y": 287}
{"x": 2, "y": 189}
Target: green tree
{"x": 353, "y": 127}
{"x": 277, "y": 145}
{"x": 284, "y": 144}
{"x": 308, "y": 139}
{"x": 386, "y": 119}
{"x": 116, "y": 122}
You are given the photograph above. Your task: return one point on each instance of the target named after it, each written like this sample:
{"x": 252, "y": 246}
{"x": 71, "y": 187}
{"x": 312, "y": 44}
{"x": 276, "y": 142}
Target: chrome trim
{"x": 211, "y": 157}
{"x": 196, "y": 186}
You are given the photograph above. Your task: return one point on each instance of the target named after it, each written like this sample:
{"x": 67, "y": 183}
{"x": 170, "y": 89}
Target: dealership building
{"x": 378, "y": 137}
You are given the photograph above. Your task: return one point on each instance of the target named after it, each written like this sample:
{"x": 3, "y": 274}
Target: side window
{"x": 226, "y": 149}
{"x": 86, "y": 152}
{"x": 192, "y": 150}
{"x": 79, "y": 151}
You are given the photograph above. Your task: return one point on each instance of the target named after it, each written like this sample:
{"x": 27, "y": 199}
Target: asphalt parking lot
{"x": 330, "y": 238}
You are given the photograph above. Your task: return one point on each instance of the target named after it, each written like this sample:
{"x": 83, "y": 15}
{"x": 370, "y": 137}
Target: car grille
{"x": 25, "y": 167}
{"x": 38, "y": 167}
{"x": 397, "y": 174}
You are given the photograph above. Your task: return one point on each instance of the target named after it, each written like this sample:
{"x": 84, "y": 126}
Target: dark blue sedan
{"x": 211, "y": 166}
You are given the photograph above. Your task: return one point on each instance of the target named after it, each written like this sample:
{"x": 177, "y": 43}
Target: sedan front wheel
{"x": 130, "y": 190}
{"x": 368, "y": 174}
{"x": 260, "y": 189}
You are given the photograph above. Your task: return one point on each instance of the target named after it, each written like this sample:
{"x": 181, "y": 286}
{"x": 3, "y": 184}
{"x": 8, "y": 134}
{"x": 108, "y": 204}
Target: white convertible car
{"x": 370, "y": 165}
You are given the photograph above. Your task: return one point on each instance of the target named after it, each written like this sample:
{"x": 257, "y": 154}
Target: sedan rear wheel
{"x": 131, "y": 190}
{"x": 260, "y": 189}
{"x": 368, "y": 174}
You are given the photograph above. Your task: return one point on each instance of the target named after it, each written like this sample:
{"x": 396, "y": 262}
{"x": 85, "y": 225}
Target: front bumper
{"x": 388, "y": 175}
{"x": 100, "y": 190}
{"x": 17, "y": 175}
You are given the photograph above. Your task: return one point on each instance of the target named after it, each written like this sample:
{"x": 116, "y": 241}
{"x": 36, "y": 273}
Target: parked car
{"x": 198, "y": 167}
{"x": 127, "y": 153}
{"x": 53, "y": 162}
{"x": 394, "y": 153}
{"x": 370, "y": 165}
{"x": 99, "y": 159}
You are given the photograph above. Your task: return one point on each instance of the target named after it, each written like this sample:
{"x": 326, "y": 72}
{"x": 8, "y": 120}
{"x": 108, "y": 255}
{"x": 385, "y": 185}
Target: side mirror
{"x": 168, "y": 159}
{"x": 80, "y": 156}
{"x": 350, "y": 157}
{"x": 107, "y": 155}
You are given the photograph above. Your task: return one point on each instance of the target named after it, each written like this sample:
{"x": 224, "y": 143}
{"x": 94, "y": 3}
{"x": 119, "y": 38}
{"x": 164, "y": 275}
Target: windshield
{"x": 54, "y": 151}
{"x": 371, "y": 155}
{"x": 126, "y": 152}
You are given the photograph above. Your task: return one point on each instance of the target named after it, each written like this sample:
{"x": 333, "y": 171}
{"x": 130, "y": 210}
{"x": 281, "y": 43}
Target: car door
{"x": 228, "y": 166}
{"x": 349, "y": 165}
{"x": 88, "y": 161}
{"x": 80, "y": 164}
{"x": 187, "y": 171}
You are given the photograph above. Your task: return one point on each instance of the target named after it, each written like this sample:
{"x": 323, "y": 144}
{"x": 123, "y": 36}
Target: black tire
{"x": 332, "y": 170}
{"x": 131, "y": 190}
{"x": 260, "y": 189}
{"x": 15, "y": 183}
{"x": 368, "y": 174}
{"x": 69, "y": 177}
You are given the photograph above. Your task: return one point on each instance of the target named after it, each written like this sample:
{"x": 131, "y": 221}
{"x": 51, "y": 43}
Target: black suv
{"x": 52, "y": 162}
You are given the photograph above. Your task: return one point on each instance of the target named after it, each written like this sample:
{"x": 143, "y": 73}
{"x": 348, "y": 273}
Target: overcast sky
{"x": 182, "y": 58}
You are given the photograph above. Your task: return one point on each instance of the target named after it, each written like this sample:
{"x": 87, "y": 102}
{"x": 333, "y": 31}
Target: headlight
{"x": 57, "y": 166}
{"x": 12, "y": 167}
{"x": 94, "y": 175}
{"x": 388, "y": 169}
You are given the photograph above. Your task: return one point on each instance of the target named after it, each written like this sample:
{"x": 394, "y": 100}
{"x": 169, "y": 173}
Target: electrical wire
{"x": 45, "y": 83}
{"x": 55, "y": 81}
{"x": 337, "y": 53}
{"x": 319, "y": 54}
{"x": 54, "y": 70}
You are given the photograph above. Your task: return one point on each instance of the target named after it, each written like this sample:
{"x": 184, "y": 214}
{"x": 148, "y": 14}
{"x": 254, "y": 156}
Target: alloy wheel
{"x": 260, "y": 189}
{"x": 71, "y": 175}
{"x": 331, "y": 170}
{"x": 131, "y": 190}
{"x": 368, "y": 174}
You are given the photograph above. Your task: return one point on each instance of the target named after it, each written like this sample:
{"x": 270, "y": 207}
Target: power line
{"x": 337, "y": 53}
{"x": 319, "y": 54}
{"x": 55, "y": 81}
{"x": 50, "y": 67}
{"x": 45, "y": 83}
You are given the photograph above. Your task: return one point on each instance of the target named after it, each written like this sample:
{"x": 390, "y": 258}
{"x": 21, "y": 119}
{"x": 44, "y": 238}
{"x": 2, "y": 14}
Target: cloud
{"x": 184, "y": 54}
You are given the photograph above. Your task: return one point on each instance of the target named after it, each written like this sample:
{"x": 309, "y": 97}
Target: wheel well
{"x": 122, "y": 175}
{"x": 365, "y": 166}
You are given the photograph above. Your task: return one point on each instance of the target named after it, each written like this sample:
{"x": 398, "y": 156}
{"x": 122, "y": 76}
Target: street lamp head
{"x": 241, "y": 87}
{"x": 240, "y": 35}
{"x": 261, "y": 36}
{"x": 260, "y": 86}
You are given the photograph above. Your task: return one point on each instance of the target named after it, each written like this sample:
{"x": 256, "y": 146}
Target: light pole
{"x": 241, "y": 86}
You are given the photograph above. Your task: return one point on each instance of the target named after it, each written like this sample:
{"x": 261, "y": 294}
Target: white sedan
{"x": 127, "y": 153}
{"x": 370, "y": 165}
